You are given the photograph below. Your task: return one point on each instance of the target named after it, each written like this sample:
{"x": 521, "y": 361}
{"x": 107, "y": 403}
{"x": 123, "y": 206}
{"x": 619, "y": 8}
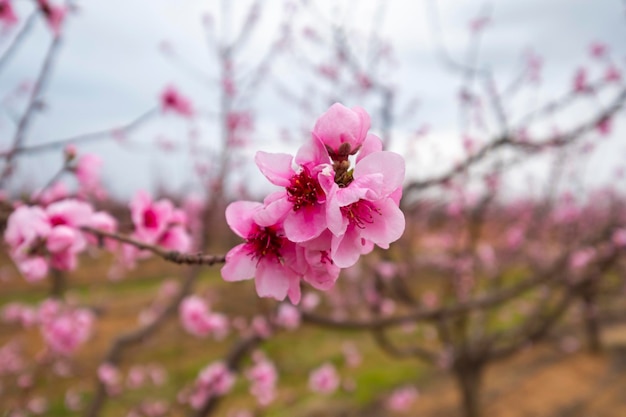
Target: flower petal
{"x": 239, "y": 216}
{"x": 277, "y": 167}
{"x": 239, "y": 264}
{"x": 387, "y": 227}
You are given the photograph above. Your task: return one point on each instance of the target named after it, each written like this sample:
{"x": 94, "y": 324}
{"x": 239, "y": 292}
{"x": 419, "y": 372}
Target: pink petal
{"x": 305, "y": 224}
{"x": 239, "y": 264}
{"x": 386, "y": 228}
{"x": 371, "y": 144}
{"x": 346, "y": 249}
{"x": 389, "y": 164}
{"x": 272, "y": 279}
{"x": 239, "y": 216}
{"x": 277, "y": 167}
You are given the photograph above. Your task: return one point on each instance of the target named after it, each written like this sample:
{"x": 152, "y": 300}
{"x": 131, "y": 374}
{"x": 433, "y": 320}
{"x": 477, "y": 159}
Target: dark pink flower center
{"x": 360, "y": 213}
{"x": 325, "y": 257}
{"x": 57, "y": 221}
{"x": 150, "y": 219}
{"x": 265, "y": 241}
{"x": 304, "y": 190}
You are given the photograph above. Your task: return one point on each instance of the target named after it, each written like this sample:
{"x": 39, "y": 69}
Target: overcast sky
{"x": 111, "y": 68}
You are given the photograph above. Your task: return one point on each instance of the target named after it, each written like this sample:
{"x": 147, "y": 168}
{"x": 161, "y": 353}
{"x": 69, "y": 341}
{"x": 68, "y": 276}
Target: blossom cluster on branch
{"x": 339, "y": 198}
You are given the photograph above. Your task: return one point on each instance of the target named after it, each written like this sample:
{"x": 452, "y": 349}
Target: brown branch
{"x": 233, "y": 362}
{"x": 124, "y": 341}
{"x": 18, "y": 39}
{"x": 32, "y": 105}
{"x": 83, "y": 138}
{"x": 168, "y": 255}
{"x": 410, "y": 351}
{"x": 511, "y": 142}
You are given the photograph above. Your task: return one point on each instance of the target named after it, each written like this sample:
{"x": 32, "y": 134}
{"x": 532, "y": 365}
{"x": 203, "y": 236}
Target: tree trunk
{"x": 469, "y": 380}
{"x": 592, "y": 326}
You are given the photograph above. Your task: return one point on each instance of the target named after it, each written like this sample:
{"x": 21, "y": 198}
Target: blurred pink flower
{"x": 598, "y": 50}
{"x": 214, "y": 380}
{"x": 173, "y": 100}
{"x": 288, "y": 316}
{"x": 401, "y": 399}
{"x": 7, "y": 15}
{"x": 324, "y": 380}
{"x": 198, "y": 320}
{"x": 580, "y": 81}
{"x": 54, "y": 15}
{"x": 64, "y": 329}
{"x": 263, "y": 378}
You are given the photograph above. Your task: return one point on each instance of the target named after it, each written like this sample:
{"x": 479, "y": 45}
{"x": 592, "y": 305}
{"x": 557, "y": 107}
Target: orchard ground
{"x": 541, "y": 381}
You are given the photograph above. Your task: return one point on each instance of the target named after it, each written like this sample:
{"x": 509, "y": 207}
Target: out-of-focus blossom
{"x": 288, "y": 316}
{"x": 173, "y": 100}
{"x": 263, "y": 378}
{"x": 215, "y": 380}
{"x": 7, "y": 14}
{"x": 64, "y": 329}
{"x": 324, "y": 380}
{"x": 401, "y": 399}
{"x": 198, "y": 320}
{"x": 53, "y": 14}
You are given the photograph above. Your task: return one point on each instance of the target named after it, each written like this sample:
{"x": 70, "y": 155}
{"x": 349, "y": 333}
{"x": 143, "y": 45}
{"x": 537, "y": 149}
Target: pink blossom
{"x": 310, "y": 301}
{"x": 342, "y": 130}
{"x": 402, "y": 398}
{"x": 478, "y": 24}
{"x": 7, "y": 15}
{"x": 228, "y": 85}
{"x": 324, "y": 380}
{"x": 598, "y": 50}
{"x": 26, "y": 228}
{"x": 619, "y": 238}
{"x": 214, "y": 380}
{"x": 57, "y": 191}
{"x": 110, "y": 377}
{"x": 19, "y": 313}
{"x": 199, "y": 321}
{"x": 65, "y": 329}
{"x": 37, "y": 405}
{"x": 581, "y": 258}
{"x": 288, "y": 316}
{"x": 267, "y": 255}
{"x": 105, "y": 222}
{"x": 365, "y": 211}
{"x": 72, "y": 400}
{"x": 613, "y": 74}
{"x": 604, "y": 126}
{"x": 158, "y": 374}
{"x": 302, "y": 203}
{"x": 263, "y": 378}
{"x": 54, "y": 15}
{"x": 87, "y": 172}
{"x": 321, "y": 272}
{"x": 328, "y": 71}
{"x": 351, "y": 354}
{"x": 386, "y": 269}
{"x": 534, "y": 65}
{"x": 136, "y": 377}
{"x": 159, "y": 223}
{"x": 172, "y": 100}
{"x": 40, "y": 238}
{"x": 580, "y": 81}
{"x": 150, "y": 218}
{"x": 261, "y": 327}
